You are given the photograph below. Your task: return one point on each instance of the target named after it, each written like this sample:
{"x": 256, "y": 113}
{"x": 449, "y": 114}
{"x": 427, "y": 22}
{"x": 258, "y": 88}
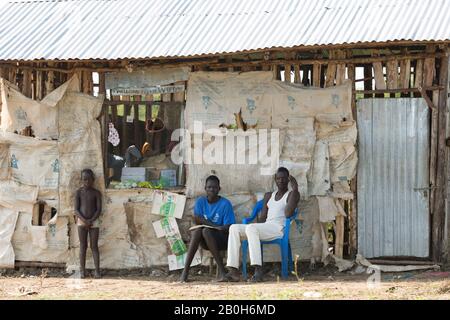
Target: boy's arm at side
{"x": 99, "y": 207}
{"x": 77, "y": 207}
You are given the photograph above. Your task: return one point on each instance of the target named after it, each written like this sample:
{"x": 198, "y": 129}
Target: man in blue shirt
{"x": 213, "y": 215}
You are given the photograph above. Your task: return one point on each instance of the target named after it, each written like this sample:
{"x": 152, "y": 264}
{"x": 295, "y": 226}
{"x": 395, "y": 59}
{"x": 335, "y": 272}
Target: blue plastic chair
{"x": 283, "y": 242}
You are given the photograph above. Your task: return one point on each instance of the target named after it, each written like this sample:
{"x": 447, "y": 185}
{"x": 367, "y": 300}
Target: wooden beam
{"x": 36, "y": 264}
{"x": 438, "y": 219}
{"x": 217, "y": 63}
{"x": 432, "y": 88}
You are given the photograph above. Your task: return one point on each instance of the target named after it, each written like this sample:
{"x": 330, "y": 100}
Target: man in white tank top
{"x": 276, "y": 208}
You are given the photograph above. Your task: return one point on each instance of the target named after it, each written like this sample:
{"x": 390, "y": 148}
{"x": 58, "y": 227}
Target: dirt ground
{"x": 324, "y": 283}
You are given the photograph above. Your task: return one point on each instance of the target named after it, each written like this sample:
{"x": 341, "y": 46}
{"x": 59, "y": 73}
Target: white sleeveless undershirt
{"x": 276, "y": 210}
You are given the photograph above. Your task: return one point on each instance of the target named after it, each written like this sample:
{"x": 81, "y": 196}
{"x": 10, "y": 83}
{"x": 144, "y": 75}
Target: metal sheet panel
{"x": 119, "y": 29}
{"x": 393, "y": 218}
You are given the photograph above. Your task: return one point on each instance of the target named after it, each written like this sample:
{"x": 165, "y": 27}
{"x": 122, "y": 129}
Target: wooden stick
{"x": 427, "y": 98}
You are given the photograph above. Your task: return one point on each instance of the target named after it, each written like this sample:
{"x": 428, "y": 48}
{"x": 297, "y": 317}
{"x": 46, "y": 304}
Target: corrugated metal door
{"x": 393, "y": 177}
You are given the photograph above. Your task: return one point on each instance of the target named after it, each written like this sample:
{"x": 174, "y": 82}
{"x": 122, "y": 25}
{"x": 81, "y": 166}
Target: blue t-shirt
{"x": 220, "y": 213}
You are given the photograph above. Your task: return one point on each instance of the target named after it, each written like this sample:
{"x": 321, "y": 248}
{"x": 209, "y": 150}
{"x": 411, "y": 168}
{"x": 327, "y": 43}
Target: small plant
{"x": 295, "y": 272}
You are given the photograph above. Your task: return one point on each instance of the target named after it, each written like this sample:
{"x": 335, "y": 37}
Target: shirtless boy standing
{"x": 88, "y": 206}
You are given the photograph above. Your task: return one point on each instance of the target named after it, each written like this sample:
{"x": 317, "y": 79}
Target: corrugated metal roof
{"x": 116, "y": 29}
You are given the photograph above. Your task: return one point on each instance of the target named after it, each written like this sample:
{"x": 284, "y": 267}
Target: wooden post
{"x": 39, "y": 87}
{"x": 148, "y": 115}
{"x": 368, "y": 81}
{"x": 353, "y": 218}
{"x": 26, "y": 86}
{"x": 13, "y": 75}
{"x": 126, "y": 111}
{"x": 230, "y": 60}
{"x": 87, "y": 82}
{"x": 339, "y": 244}
{"x": 428, "y": 76}
{"x": 438, "y": 219}
{"x": 405, "y": 73}
{"x": 340, "y": 68}
{"x": 305, "y": 80}
{"x": 418, "y": 76}
{"x": 287, "y": 73}
{"x": 104, "y": 125}
{"x": 276, "y": 72}
{"x": 49, "y": 82}
{"x": 380, "y": 83}
{"x": 297, "y": 74}
{"x": 137, "y": 132}
{"x": 331, "y": 71}
{"x": 317, "y": 72}
{"x": 392, "y": 74}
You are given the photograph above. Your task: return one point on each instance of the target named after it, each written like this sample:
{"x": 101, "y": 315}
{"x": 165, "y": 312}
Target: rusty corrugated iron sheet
{"x": 119, "y": 29}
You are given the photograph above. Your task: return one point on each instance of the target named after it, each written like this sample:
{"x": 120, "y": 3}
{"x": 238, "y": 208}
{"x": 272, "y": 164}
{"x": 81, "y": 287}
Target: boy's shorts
{"x": 80, "y": 223}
